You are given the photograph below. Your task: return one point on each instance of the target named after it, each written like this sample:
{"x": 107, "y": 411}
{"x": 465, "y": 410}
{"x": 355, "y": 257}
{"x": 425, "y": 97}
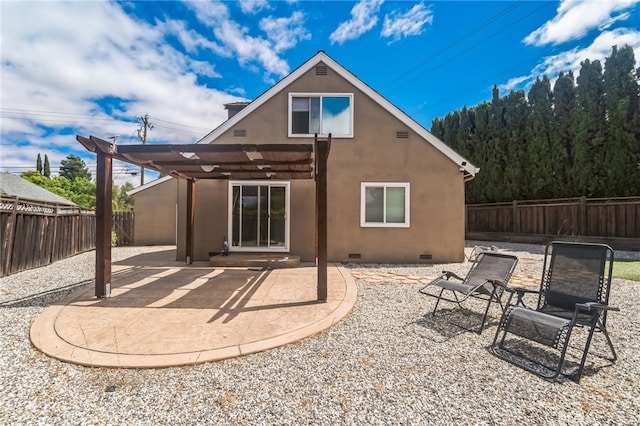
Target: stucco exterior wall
{"x": 374, "y": 154}
{"x": 155, "y": 210}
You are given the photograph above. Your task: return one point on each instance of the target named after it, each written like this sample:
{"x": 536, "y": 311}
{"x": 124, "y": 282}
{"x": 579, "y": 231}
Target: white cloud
{"x": 575, "y": 18}
{"x": 253, "y": 7}
{"x": 247, "y": 48}
{"x": 363, "y": 18}
{"x": 190, "y": 39}
{"x": 513, "y": 83}
{"x": 56, "y": 74}
{"x": 570, "y": 60}
{"x": 398, "y": 25}
{"x": 285, "y": 33}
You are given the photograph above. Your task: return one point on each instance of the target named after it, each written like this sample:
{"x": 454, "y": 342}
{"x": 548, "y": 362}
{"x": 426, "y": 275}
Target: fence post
{"x": 9, "y": 239}
{"x": 515, "y": 218}
{"x": 582, "y": 230}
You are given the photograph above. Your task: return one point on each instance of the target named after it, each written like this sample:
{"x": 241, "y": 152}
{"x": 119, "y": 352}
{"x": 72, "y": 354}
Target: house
{"x": 395, "y": 192}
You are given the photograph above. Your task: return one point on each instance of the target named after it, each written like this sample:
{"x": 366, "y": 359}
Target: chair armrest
{"x": 498, "y": 283}
{"x": 520, "y": 292}
{"x": 449, "y": 274}
{"x": 595, "y": 306}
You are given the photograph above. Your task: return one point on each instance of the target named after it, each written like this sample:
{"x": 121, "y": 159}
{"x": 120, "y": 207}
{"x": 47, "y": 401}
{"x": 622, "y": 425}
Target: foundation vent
{"x": 321, "y": 70}
{"x": 402, "y": 134}
{"x": 425, "y": 257}
{"x": 354, "y": 255}
{"x": 239, "y": 133}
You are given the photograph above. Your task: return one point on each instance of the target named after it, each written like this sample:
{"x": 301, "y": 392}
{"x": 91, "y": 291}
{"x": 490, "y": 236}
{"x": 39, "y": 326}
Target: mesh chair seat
{"x": 487, "y": 280}
{"x": 461, "y": 287}
{"x": 537, "y": 326}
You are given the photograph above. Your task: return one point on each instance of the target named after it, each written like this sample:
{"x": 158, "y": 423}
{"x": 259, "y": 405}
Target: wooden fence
{"x": 123, "y": 228}
{"x": 612, "y": 220}
{"x": 35, "y": 234}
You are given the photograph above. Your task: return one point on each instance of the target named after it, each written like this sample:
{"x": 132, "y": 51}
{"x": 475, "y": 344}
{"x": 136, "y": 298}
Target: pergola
{"x": 209, "y": 161}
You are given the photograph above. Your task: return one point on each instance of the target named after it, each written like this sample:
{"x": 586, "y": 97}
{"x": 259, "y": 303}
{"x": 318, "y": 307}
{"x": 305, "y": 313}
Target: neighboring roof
{"x": 321, "y": 57}
{"x": 14, "y": 186}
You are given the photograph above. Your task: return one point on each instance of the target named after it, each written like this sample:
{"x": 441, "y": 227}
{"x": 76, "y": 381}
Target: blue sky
{"x": 93, "y": 67}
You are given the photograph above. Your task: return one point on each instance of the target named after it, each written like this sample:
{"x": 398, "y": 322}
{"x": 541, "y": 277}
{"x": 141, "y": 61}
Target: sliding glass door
{"x": 259, "y": 217}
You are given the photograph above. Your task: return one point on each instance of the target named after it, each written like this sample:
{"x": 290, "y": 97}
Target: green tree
{"x": 547, "y": 158}
{"x": 47, "y": 167}
{"x": 80, "y": 191}
{"x": 73, "y": 167}
{"x": 122, "y": 200}
{"x": 39, "y": 164}
{"x": 564, "y": 108}
{"x": 622, "y": 154}
{"x": 515, "y": 177}
{"x": 34, "y": 176}
{"x": 589, "y": 131}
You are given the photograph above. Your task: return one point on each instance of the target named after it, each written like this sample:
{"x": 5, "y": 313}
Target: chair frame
{"x": 592, "y": 313}
{"x": 478, "y": 291}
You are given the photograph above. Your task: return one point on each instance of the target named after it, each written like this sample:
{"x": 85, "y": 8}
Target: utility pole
{"x": 142, "y": 135}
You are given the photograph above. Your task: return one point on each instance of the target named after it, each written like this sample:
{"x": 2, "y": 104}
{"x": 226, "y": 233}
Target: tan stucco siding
{"x": 374, "y": 154}
{"x": 155, "y": 210}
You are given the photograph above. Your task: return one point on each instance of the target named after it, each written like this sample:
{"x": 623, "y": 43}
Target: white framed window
{"x": 384, "y": 204}
{"x": 311, "y": 113}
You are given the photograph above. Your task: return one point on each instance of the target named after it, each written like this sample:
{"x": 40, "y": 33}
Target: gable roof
{"x": 15, "y": 186}
{"x": 321, "y": 57}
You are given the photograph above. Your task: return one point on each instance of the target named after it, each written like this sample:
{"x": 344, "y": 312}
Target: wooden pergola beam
{"x": 191, "y": 210}
{"x": 196, "y": 148}
{"x": 322, "y": 154}
{"x": 103, "y": 224}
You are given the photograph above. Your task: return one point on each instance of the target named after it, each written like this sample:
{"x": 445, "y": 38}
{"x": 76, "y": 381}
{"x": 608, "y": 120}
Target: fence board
{"x": 36, "y": 234}
{"x": 609, "y": 219}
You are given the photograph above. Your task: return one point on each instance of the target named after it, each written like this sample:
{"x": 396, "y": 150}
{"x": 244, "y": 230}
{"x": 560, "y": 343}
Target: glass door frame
{"x": 270, "y": 183}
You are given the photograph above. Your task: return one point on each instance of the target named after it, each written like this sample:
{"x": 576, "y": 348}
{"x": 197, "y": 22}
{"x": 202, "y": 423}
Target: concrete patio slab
{"x": 163, "y": 313}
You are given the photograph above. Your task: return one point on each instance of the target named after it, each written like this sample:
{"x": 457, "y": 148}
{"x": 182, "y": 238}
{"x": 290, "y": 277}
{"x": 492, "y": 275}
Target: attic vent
{"x": 402, "y": 134}
{"x": 354, "y": 255}
{"x": 425, "y": 257}
{"x": 321, "y": 70}
{"x": 239, "y": 133}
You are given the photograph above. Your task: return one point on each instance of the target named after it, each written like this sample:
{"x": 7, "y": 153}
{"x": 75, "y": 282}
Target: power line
{"x": 477, "y": 44}
{"x": 490, "y": 79}
{"x": 178, "y": 124}
{"x": 455, "y": 42}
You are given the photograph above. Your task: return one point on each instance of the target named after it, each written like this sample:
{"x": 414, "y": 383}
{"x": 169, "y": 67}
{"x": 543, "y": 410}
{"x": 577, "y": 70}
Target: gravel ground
{"x": 386, "y": 363}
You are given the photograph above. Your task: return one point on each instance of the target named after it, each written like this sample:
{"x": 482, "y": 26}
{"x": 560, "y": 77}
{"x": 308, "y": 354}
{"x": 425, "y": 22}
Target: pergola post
{"x": 191, "y": 203}
{"x": 322, "y": 154}
{"x": 103, "y": 224}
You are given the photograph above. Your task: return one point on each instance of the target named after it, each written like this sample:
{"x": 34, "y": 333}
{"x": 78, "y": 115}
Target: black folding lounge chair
{"x": 574, "y": 291}
{"x": 486, "y": 280}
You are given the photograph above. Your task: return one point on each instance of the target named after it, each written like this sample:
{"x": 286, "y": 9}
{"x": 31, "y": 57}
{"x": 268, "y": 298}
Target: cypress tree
{"x": 589, "y": 131}
{"x": 47, "y": 167}
{"x": 564, "y": 105}
{"x": 515, "y": 179}
{"x": 622, "y": 153}
{"x": 39, "y": 164}
{"x": 546, "y": 157}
